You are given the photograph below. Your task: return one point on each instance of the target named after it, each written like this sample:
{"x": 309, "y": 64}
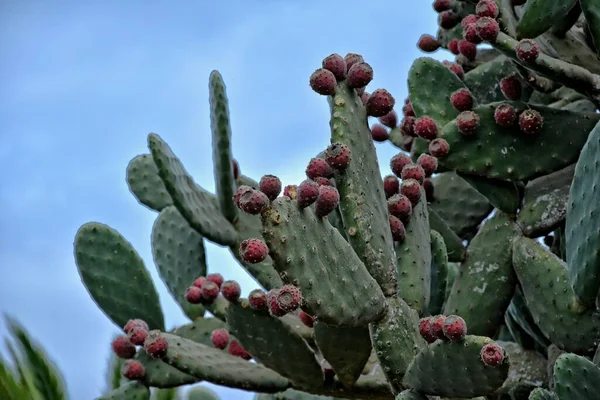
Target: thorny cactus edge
{"x": 473, "y": 271}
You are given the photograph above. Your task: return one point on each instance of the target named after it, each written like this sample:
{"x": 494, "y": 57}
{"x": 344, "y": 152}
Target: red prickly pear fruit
{"x": 511, "y": 87}
{"x": 327, "y": 201}
{"x": 467, "y": 49}
{"x": 468, "y": 20}
{"x": 198, "y": 282}
{"x": 428, "y": 163}
{"x": 236, "y": 350}
{"x": 380, "y": 102}
{"x": 505, "y": 115}
{"x": 426, "y": 128}
{"x": 397, "y": 229}
{"x": 413, "y": 171}
{"x": 270, "y": 185}
{"x": 428, "y": 43}
{"x": 337, "y": 65}
{"x": 487, "y": 29}
{"x": 462, "y": 99}
{"x": 487, "y": 8}
{"x": 253, "y": 251}
{"x": 290, "y": 191}
{"x": 257, "y": 300}
{"x": 135, "y": 323}
{"x": 236, "y": 169}
{"x": 307, "y": 193}
{"x": 530, "y": 122}
{"x": 210, "y": 291}
{"x": 439, "y": 148}
{"x": 425, "y": 330}
{"x": 442, "y": 5}
{"x": 364, "y": 98}
{"x": 518, "y": 2}
{"x": 321, "y": 181}
{"x": 353, "y": 58}
{"x": 318, "y": 167}
{"x": 243, "y": 189}
{"x": 492, "y": 355}
{"x": 437, "y": 326}
{"x": 156, "y": 345}
{"x": 390, "y": 119}
{"x": 284, "y": 300}
{"x": 220, "y": 338}
{"x": 306, "y": 319}
{"x": 122, "y": 347}
{"x": 398, "y": 162}
{"x": 137, "y": 335}
{"x": 528, "y": 50}
{"x": 411, "y": 189}
{"x": 337, "y": 156}
{"x": 454, "y": 328}
{"x": 407, "y": 109}
{"x": 193, "y": 295}
{"x": 407, "y": 126}
{"x": 216, "y": 278}
{"x": 253, "y": 202}
{"x": 391, "y": 185}
{"x": 470, "y": 35}
{"x": 453, "y": 47}
{"x": 379, "y": 133}
{"x": 467, "y": 122}
{"x": 428, "y": 186}
{"x": 359, "y": 75}
{"x": 400, "y": 207}
{"x": 133, "y": 370}
{"x": 231, "y": 291}
{"x": 323, "y": 82}
{"x": 448, "y": 19}
{"x": 454, "y": 67}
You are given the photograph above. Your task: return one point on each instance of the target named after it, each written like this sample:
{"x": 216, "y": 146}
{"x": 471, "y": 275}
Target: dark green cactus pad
{"x": 414, "y": 259}
{"x": 200, "y": 330}
{"x": 486, "y": 282}
{"x": 483, "y": 80}
{"x": 250, "y": 226}
{"x": 346, "y": 349}
{"x": 161, "y": 375}
{"x": 396, "y": 340}
{"x": 362, "y": 202}
{"x": 430, "y": 85}
{"x": 454, "y": 246}
{"x": 297, "y": 325}
{"x": 542, "y": 394}
{"x": 499, "y": 151}
{"x": 582, "y": 106}
{"x": 527, "y": 371}
{"x": 410, "y": 394}
{"x": 541, "y": 15}
{"x": 115, "y": 276}
{"x": 501, "y": 194}
{"x": 576, "y": 377}
{"x": 591, "y": 10}
{"x": 129, "y": 391}
{"x": 145, "y": 183}
{"x": 274, "y": 343}
{"x": 451, "y": 277}
{"x": 583, "y": 223}
{"x": 545, "y": 202}
{"x": 439, "y": 272}
{"x": 197, "y": 205}
{"x": 552, "y": 354}
{"x": 221, "y": 145}
{"x": 521, "y": 315}
{"x": 551, "y": 300}
{"x": 291, "y": 394}
{"x": 455, "y": 369}
{"x": 313, "y": 255}
{"x": 220, "y": 368}
{"x": 201, "y": 393}
{"x": 178, "y": 252}
{"x": 458, "y": 203}
{"x": 596, "y": 359}
{"x": 218, "y": 307}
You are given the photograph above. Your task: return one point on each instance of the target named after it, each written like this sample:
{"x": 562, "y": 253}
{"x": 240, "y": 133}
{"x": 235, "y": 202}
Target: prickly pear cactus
{"x": 452, "y": 277}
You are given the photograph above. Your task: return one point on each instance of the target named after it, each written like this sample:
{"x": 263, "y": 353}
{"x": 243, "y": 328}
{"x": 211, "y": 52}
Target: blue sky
{"x": 84, "y": 82}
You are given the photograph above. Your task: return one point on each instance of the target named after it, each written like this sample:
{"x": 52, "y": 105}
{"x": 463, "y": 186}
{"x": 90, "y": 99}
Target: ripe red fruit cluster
{"x": 284, "y": 300}
{"x": 270, "y": 185}
{"x": 253, "y": 250}
{"x": 156, "y": 345}
{"x": 442, "y": 327}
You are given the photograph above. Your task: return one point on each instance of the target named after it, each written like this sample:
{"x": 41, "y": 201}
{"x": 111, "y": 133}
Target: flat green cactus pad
{"x": 161, "y": 375}
{"x": 483, "y": 80}
{"x": 200, "y": 330}
{"x": 540, "y": 15}
{"x": 454, "y": 245}
{"x": 130, "y": 391}
{"x": 145, "y": 183}
{"x": 576, "y": 377}
{"x": 439, "y": 273}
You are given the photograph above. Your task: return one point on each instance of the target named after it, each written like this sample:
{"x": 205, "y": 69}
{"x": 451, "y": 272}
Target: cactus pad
{"x": 454, "y": 246}
{"x": 129, "y": 391}
{"x": 439, "y": 273}
{"x": 145, "y": 183}
{"x": 576, "y": 377}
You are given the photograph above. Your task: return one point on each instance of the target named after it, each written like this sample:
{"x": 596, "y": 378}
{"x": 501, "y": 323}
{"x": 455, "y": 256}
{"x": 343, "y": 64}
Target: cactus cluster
{"x": 472, "y": 271}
